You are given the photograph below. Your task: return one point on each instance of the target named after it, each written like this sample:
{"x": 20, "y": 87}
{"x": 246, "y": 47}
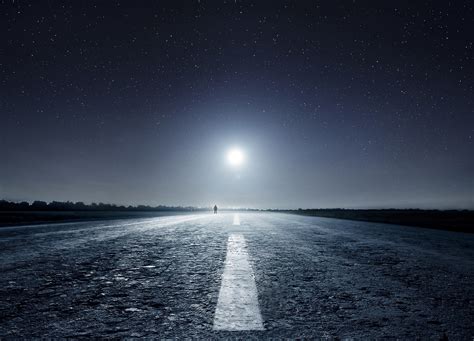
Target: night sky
{"x": 334, "y": 104}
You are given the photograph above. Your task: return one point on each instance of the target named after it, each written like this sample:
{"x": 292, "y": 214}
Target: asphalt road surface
{"x": 262, "y": 275}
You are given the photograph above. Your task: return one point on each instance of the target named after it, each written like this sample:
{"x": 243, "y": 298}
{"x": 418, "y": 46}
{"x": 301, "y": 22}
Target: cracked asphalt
{"x": 160, "y": 278}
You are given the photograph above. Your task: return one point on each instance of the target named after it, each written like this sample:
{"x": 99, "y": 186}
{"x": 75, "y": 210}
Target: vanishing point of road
{"x": 259, "y": 275}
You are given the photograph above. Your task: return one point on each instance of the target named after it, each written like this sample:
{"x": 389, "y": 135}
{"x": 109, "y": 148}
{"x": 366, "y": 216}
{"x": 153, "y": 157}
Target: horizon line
{"x": 234, "y": 208}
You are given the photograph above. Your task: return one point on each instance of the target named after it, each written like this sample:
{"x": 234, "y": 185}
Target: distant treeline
{"x": 25, "y": 212}
{"x": 80, "y": 206}
{"x": 453, "y": 220}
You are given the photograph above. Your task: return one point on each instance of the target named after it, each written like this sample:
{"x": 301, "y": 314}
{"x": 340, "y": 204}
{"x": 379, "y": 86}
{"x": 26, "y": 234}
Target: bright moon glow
{"x": 235, "y": 157}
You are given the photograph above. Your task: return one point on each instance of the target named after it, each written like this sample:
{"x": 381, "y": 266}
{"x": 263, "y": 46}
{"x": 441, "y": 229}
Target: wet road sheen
{"x": 301, "y": 276}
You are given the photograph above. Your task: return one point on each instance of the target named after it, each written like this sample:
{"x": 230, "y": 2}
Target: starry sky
{"x": 350, "y": 104}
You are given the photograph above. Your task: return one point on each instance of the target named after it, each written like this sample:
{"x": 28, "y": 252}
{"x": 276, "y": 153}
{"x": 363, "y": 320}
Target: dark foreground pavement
{"x": 161, "y": 277}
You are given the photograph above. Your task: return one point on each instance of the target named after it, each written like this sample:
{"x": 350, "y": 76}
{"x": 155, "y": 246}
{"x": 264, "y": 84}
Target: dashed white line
{"x": 236, "y": 219}
{"x": 237, "y": 305}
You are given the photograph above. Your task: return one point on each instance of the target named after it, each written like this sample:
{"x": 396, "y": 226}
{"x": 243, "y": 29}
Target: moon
{"x": 235, "y": 157}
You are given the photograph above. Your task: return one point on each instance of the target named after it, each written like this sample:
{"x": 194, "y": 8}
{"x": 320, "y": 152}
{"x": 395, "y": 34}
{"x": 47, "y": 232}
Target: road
{"x": 262, "y": 275}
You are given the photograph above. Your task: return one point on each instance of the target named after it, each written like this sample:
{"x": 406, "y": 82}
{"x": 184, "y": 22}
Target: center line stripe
{"x": 237, "y": 305}
{"x": 236, "y": 219}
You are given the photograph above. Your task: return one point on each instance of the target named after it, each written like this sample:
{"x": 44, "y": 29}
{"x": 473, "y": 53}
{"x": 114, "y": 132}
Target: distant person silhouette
{"x": 215, "y": 209}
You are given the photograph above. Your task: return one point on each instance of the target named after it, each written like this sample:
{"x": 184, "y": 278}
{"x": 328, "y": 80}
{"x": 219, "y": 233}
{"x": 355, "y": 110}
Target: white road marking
{"x": 237, "y": 305}
{"x": 236, "y": 219}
